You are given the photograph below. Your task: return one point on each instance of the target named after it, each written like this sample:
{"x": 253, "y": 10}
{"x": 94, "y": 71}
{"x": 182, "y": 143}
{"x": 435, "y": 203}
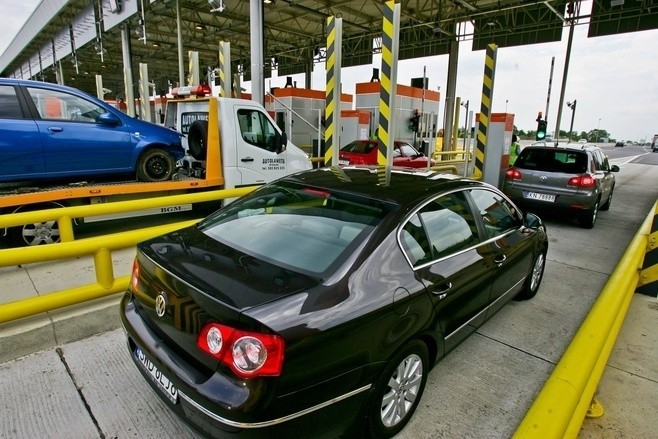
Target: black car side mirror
{"x": 532, "y": 221}
{"x": 614, "y": 168}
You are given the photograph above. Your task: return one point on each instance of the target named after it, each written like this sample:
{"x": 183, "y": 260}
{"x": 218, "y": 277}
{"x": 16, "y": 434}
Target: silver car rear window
{"x": 553, "y": 160}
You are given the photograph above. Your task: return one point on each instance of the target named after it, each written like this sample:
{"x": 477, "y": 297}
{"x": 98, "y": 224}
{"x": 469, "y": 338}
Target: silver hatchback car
{"x": 574, "y": 178}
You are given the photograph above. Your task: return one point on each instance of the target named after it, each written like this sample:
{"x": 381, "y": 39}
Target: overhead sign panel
{"x": 84, "y": 26}
{"x": 117, "y": 11}
{"x": 610, "y": 18}
{"x": 62, "y": 43}
{"x": 532, "y": 24}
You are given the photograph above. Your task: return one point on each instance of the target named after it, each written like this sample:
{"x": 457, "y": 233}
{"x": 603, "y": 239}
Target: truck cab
{"x": 252, "y": 149}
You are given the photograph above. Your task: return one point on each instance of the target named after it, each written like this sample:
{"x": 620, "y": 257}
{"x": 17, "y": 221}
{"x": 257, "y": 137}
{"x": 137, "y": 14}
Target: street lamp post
{"x": 466, "y": 122}
{"x": 572, "y": 105}
{"x": 598, "y": 127}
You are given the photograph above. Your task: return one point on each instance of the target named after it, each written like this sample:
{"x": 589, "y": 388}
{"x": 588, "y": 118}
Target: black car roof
{"x": 408, "y": 186}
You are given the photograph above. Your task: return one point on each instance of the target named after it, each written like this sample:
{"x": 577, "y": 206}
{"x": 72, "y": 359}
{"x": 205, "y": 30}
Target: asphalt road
{"x": 90, "y": 388}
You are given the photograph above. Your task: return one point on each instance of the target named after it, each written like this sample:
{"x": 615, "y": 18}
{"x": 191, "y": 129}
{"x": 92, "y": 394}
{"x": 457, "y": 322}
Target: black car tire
{"x": 606, "y": 206}
{"x": 155, "y": 165}
{"x": 589, "y": 217}
{"x": 197, "y": 139}
{"x": 533, "y": 280}
{"x": 400, "y": 388}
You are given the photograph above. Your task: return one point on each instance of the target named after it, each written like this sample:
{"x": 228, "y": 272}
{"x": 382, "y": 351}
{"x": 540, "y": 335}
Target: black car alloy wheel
{"x": 399, "y": 390}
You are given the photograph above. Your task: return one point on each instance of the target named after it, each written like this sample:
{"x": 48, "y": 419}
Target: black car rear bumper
{"x": 201, "y": 399}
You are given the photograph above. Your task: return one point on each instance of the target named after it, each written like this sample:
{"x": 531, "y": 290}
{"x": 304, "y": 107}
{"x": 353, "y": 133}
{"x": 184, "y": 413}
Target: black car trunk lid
{"x": 187, "y": 280}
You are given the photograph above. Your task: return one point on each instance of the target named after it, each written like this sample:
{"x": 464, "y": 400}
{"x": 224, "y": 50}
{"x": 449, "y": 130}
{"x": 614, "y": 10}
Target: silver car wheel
{"x": 537, "y": 272}
{"x": 403, "y": 388}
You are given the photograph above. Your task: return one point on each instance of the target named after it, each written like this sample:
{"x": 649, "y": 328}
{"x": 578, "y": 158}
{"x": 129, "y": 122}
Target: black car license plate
{"x": 161, "y": 381}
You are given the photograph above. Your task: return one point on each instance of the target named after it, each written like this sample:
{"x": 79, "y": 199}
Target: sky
{"x": 614, "y": 79}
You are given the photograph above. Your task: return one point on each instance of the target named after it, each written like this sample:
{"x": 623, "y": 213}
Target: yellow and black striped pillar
{"x": 485, "y": 109}
{"x": 332, "y": 96}
{"x": 388, "y": 83}
{"x": 648, "y": 284}
{"x": 224, "y": 87}
{"x": 193, "y": 68}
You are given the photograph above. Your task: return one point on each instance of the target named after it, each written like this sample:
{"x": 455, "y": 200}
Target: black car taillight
{"x": 248, "y": 354}
{"x": 134, "y": 278}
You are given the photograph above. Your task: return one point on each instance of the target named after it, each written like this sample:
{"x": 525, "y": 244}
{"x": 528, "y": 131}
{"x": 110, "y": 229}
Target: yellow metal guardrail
{"x": 100, "y": 247}
{"x": 568, "y": 394}
{"x": 65, "y": 215}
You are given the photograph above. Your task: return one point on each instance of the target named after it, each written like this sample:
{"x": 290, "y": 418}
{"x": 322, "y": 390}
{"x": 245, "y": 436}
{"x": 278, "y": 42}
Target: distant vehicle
{"x": 622, "y": 144}
{"x": 364, "y": 152}
{"x": 316, "y": 306}
{"x": 576, "y": 179}
{"x": 582, "y": 141}
{"x": 50, "y": 131}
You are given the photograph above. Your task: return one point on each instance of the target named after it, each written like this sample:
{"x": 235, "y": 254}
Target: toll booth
{"x": 355, "y": 125}
{"x": 307, "y": 106}
{"x": 409, "y": 101}
{"x": 496, "y": 150}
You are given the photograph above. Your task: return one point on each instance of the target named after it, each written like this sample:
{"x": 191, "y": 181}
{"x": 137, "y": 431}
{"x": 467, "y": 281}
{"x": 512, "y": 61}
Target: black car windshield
{"x": 301, "y": 228}
{"x": 553, "y": 160}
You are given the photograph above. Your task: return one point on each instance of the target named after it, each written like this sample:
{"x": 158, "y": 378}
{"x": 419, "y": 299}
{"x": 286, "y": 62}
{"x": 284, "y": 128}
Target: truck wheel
{"x": 197, "y": 139}
{"x": 155, "y": 165}
{"x": 40, "y": 233}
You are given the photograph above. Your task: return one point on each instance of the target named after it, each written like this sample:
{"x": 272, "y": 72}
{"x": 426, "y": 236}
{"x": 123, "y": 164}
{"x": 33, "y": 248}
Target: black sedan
{"x": 316, "y": 305}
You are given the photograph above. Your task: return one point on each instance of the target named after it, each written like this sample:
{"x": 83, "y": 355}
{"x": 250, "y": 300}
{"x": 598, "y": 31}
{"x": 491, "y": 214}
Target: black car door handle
{"x": 247, "y": 159}
{"x": 55, "y": 129}
{"x": 442, "y": 290}
{"x": 499, "y": 259}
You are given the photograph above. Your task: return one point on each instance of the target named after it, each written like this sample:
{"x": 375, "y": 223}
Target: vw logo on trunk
{"x": 161, "y": 304}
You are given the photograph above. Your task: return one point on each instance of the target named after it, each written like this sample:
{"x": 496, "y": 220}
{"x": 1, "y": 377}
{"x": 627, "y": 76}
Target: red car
{"x": 364, "y": 152}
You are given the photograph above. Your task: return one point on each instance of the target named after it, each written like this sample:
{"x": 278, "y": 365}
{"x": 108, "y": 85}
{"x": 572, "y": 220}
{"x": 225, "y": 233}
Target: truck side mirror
{"x": 281, "y": 142}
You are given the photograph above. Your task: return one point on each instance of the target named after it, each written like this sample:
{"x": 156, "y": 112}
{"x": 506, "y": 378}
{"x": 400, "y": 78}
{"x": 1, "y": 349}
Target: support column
{"x": 451, "y": 91}
{"x": 127, "y": 69}
{"x": 386, "y": 130}
{"x": 224, "y": 69}
{"x": 332, "y": 94}
{"x": 179, "y": 36}
{"x": 145, "y": 107}
{"x": 256, "y": 24}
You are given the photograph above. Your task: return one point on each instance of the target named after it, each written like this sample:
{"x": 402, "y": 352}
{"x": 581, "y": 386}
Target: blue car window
{"x": 9, "y": 106}
{"x": 57, "y": 105}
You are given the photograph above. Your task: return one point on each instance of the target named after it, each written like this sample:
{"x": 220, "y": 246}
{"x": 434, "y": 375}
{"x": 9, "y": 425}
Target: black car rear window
{"x": 553, "y": 160}
{"x": 301, "y": 228}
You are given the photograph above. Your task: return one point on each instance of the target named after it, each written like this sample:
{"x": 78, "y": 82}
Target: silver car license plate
{"x": 542, "y": 197}
{"x": 161, "y": 381}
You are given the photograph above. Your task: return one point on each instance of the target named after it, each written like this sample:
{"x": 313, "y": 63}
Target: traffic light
{"x": 541, "y": 128}
{"x": 414, "y": 122}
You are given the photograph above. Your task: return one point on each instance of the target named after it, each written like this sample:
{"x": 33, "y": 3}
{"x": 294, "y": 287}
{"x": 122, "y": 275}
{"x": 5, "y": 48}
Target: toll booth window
{"x": 56, "y": 105}
{"x": 498, "y": 215}
{"x": 9, "y": 106}
{"x": 256, "y": 129}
